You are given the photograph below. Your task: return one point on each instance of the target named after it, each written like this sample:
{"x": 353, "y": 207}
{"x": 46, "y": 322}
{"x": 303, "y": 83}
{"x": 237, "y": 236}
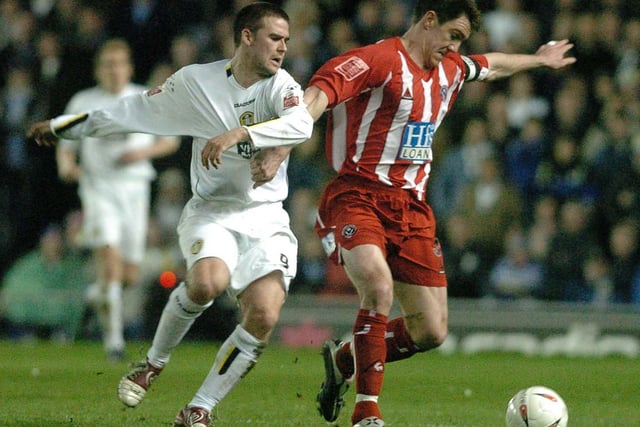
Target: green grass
{"x": 48, "y": 385}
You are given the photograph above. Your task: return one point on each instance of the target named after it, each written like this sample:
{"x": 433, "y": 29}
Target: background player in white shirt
{"x": 234, "y": 232}
{"x": 114, "y": 176}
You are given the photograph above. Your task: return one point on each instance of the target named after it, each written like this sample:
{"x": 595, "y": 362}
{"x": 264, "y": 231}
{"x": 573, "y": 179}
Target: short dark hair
{"x": 448, "y": 10}
{"x": 251, "y": 16}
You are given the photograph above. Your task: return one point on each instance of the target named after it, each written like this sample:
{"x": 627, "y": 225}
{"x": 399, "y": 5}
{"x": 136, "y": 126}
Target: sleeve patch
{"x": 352, "y": 68}
{"x": 291, "y": 101}
{"x": 156, "y": 90}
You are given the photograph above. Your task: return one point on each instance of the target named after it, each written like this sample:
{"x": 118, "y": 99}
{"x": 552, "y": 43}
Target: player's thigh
{"x": 425, "y": 311}
{"x": 211, "y": 253}
{"x": 261, "y": 256}
{"x": 134, "y": 217}
{"x": 101, "y": 219}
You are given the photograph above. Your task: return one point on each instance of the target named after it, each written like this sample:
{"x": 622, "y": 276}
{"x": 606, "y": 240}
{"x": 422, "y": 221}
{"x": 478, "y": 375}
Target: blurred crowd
{"x": 536, "y": 180}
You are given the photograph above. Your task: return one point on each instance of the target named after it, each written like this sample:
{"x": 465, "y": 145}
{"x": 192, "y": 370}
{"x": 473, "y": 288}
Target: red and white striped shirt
{"x": 385, "y": 109}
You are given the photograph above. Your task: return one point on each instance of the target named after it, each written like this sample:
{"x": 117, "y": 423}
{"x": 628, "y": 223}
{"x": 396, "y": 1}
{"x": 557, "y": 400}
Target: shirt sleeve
{"x": 292, "y": 123}
{"x": 166, "y": 110}
{"x": 346, "y": 76}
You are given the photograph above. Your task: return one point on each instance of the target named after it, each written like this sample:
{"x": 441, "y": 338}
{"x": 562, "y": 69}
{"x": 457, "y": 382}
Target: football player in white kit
{"x": 234, "y": 232}
{"x": 114, "y": 176}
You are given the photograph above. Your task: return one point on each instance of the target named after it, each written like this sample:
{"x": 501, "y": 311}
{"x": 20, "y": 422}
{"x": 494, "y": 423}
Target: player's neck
{"x": 245, "y": 76}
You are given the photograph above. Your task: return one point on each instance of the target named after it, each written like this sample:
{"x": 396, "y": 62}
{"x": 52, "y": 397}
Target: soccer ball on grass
{"x": 537, "y": 406}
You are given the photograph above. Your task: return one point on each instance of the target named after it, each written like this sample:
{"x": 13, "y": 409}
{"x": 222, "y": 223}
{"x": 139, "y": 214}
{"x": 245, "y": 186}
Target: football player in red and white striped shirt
{"x": 385, "y": 103}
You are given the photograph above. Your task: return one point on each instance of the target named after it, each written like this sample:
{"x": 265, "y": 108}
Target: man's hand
{"x": 41, "y": 133}
{"x": 212, "y": 152}
{"x": 264, "y": 165}
{"x": 554, "y": 53}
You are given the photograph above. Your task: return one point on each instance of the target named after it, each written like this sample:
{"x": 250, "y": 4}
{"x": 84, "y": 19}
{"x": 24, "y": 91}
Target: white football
{"x": 537, "y": 406}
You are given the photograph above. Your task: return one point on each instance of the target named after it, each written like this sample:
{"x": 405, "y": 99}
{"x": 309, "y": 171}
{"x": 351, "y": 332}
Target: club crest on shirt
{"x": 437, "y": 249}
{"x": 349, "y": 230}
{"x": 247, "y": 118}
{"x": 443, "y": 91}
{"x": 196, "y": 247}
{"x": 352, "y": 68}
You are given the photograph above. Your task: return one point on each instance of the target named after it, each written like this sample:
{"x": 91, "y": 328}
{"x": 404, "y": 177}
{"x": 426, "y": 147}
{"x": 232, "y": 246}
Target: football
{"x": 537, "y": 406}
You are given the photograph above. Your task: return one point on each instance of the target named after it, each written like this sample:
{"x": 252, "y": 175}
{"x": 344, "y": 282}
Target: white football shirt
{"x": 204, "y": 101}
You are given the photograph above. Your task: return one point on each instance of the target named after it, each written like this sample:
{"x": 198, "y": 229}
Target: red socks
{"x": 370, "y": 352}
{"x": 399, "y": 346}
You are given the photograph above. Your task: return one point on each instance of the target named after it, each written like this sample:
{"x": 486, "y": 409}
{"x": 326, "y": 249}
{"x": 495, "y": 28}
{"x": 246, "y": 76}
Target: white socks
{"x": 177, "y": 317}
{"x": 107, "y": 304}
{"x": 114, "y": 331}
{"x": 236, "y": 357}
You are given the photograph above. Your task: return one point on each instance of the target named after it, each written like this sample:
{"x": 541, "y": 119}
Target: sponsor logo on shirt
{"x": 352, "y": 68}
{"x": 416, "y": 142}
{"x": 244, "y": 104}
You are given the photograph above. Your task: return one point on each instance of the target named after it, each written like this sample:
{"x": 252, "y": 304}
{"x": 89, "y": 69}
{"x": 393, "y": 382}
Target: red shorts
{"x": 355, "y": 211}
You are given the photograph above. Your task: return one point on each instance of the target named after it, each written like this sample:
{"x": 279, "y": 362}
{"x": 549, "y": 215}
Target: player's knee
{"x": 430, "y": 337}
{"x": 260, "y": 322}
{"x": 204, "y": 291}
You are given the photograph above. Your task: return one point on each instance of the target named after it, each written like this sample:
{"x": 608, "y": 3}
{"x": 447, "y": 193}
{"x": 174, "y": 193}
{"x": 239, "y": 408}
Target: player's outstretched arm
{"x": 41, "y": 132}
{"x": 553, "y": 54}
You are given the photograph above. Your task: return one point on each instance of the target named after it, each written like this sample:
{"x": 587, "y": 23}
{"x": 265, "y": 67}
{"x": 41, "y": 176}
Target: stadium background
{"x": 536, "y": 179}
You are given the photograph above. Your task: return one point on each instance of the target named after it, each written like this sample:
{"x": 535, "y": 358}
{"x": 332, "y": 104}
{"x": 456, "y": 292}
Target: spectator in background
{"x": 543, "y": 226}
{"x": 114, "y": 176}
{"x": 466, "y": 262}
{"x": 42, "y": 293}
{"x": 492, "y": 206}
{"x": 628, "y": 68}
{"x": 461, "y": 165}
{"x": 497, "y": 113}
{"x": 171, "y": 194}
{"x": 504, "y": 25}
{"x": 598, "y": 280}
{"x": 610, "y": 141}
{"x": 18, "y": 161}
{"x": 570, "y": 247}
{"x": 522, "y": 157}
{"x": 624, "y": 248}
{"x": 338, "y": 38}
{"x": 572, "y": 112}
{"x": 523, "y": 103}
{"x": 564, "y": 176}
{"x": 515, "y": 274}
{"x": 367, "y": 21}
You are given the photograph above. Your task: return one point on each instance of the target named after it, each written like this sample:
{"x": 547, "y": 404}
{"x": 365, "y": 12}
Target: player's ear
{"x": 429, "y": 20}
{"x": 247, "y": 37}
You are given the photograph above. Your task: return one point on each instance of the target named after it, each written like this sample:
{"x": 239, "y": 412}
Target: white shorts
{"x": 115, "y": 213}
{"x": 252, "y": 242}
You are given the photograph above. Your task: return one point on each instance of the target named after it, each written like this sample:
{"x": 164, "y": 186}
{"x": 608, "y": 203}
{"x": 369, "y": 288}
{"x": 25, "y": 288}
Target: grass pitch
{"x": 48, "y": 385}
